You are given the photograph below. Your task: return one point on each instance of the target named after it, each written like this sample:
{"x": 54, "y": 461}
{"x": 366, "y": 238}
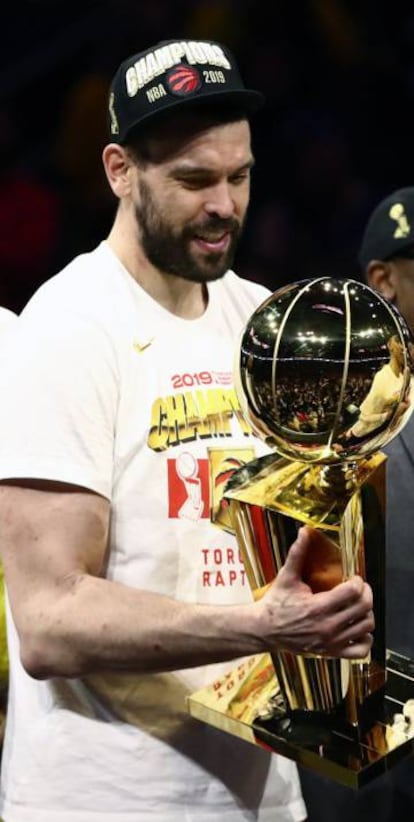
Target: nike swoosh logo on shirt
{"x": 140, "y": 347}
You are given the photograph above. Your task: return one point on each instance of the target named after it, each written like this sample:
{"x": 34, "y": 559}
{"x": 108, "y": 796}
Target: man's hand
{"x": 336, "y": 622}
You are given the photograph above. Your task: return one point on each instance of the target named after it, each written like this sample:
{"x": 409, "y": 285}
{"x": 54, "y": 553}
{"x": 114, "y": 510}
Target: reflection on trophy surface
{"x": 324, "y": 377}
{"x": 323, "y": 374}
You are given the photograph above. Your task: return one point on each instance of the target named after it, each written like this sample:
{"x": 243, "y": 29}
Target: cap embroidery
{"x": 114, "y": 120}
{"x": 157, "y": 62}
{"x": 398, "y": 214}
{"x": 183, "y": 80}
{"x": 174, "y": 73}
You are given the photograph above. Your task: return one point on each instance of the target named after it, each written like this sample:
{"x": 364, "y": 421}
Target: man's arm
{"x": 71, "y": 620}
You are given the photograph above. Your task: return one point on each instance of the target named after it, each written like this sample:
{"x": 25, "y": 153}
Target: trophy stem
{"x": 346, "y": 503}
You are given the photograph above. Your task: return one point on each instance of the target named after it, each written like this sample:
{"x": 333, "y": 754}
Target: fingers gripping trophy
{"x": 323, "y": 375}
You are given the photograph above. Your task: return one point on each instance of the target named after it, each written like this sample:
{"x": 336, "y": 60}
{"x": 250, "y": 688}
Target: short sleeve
{"x": 58, "y": 399}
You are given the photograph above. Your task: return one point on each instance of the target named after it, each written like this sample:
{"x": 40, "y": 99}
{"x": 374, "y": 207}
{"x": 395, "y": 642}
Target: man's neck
{"x": 181, "y": 297}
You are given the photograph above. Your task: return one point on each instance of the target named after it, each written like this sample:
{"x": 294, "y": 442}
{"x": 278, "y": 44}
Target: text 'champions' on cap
{"x": 173, "y": 74}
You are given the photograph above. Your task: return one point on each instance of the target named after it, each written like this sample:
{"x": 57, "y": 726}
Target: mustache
{"x": 214, "y": 224}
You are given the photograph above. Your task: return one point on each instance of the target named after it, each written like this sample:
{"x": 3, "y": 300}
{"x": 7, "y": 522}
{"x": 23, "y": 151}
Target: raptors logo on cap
{"x": 182, "y": 80}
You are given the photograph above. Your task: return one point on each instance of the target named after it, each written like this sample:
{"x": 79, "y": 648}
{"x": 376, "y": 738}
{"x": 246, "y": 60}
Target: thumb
{"x": 293, "y": 567}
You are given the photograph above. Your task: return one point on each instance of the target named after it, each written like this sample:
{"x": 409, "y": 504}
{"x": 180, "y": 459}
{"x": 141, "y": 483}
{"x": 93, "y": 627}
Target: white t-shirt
{"x": 7, "y": 322}
{"x": 108, "y": 390}
{"x": 7, "y": 318}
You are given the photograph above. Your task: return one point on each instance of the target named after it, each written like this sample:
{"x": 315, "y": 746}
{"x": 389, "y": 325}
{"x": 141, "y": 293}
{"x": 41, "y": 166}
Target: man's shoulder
{"x": 7, "y": 317}
{"x": 7, "y": 322}
{"x": 88, "y": 267}
{"x": 86, "y": 284}
{"x": 402, "y": 445}
{"x": 243, "y": 287}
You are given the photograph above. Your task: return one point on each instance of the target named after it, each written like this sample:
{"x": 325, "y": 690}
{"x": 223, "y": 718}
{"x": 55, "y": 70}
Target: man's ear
{"x": 381, "y": 277}
{"x": 117, "y": 164}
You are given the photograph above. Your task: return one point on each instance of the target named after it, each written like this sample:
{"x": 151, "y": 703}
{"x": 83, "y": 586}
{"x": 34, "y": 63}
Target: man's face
{"x": 394, "y": 279}
{"x": 192, "y": 201}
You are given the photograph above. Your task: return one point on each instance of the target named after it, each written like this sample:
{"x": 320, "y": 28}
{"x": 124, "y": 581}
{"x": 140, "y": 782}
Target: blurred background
{"x": 333, "y": 139}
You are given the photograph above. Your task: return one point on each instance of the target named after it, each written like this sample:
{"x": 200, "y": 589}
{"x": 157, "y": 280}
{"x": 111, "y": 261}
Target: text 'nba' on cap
{"x": 173, "y": 74}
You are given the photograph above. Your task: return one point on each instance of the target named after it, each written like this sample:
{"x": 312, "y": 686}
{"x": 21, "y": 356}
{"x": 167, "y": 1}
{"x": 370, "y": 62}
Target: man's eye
{"x": 193, "y": 183}
{"x": 240, "y": 178}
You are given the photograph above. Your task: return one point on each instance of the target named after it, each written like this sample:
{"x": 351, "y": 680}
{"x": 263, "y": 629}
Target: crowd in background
{"x": 332, "y": 140}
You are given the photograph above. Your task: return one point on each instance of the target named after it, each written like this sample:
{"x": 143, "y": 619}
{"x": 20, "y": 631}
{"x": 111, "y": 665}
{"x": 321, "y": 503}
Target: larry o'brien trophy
{"x": 323, "y": 375}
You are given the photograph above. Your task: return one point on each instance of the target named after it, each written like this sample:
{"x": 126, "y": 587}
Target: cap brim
{"x": 247, "y": 100}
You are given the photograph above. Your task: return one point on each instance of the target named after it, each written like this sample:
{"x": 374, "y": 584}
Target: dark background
{"x": 333, "y": 139}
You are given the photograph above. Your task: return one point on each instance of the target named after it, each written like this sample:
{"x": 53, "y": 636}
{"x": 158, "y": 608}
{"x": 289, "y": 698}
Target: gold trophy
{"x": 323, "y": 374}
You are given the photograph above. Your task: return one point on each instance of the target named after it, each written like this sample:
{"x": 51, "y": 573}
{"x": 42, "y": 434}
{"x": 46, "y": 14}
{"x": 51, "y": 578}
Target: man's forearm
{"x": 103, "y": 625}
{"x": 95, "y": 624}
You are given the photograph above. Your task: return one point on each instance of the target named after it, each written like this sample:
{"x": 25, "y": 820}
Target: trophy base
{"x": 248, "y": 704}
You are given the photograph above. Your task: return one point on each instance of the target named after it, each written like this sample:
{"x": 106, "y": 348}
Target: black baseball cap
{"x": 173, "y": 74}
{"x": 390, "y": 228}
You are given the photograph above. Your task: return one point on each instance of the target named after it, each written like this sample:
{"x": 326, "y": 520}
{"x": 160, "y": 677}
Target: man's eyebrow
{"x": 193, "y": 170}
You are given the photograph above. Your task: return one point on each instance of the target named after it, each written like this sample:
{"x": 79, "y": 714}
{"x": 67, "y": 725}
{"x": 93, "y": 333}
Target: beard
{"x": 169, "y": 250}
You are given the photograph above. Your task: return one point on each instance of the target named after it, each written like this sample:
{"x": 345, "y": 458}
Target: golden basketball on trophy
{"x": 323, "y": 373}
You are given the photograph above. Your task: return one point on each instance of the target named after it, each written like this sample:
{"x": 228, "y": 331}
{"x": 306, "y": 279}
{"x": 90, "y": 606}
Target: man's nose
{"x": 220, "y": 201}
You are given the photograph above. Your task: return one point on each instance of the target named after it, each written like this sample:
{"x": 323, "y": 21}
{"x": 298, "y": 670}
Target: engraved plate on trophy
{"x": 323, "y": 375}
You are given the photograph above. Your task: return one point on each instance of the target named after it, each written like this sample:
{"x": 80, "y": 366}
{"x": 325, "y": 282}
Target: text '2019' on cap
{"x": 171, "y": 75}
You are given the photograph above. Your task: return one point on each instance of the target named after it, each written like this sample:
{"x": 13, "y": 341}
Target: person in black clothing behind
{"x": 386, "y": 259}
